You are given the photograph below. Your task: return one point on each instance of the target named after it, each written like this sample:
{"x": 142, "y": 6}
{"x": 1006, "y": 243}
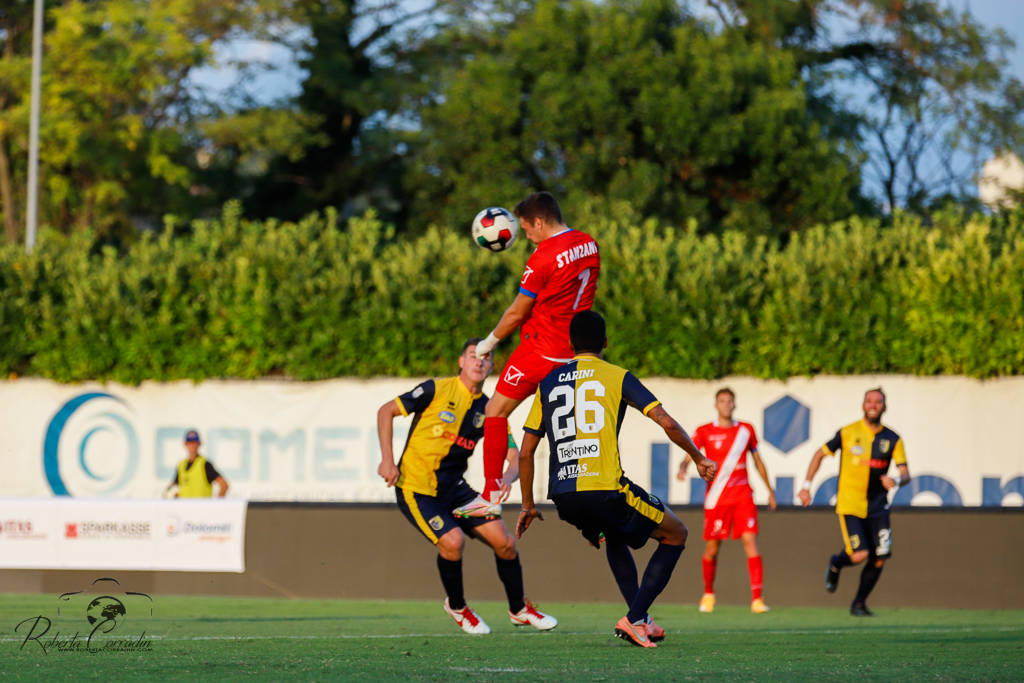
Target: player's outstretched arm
{"x": 222, "y": 486}
{"x": 510, "y": 321}
{"x": 895, "y": 483}
{"x": 812, "y": 469}
{"x": 510, "y": 475}
{"x": 529, "y": 511}
{"x": 763, "y": 471}
{"x": 386, "y": 415}
{"x": 683, "y": 466}
{"x": 706, "y": 467}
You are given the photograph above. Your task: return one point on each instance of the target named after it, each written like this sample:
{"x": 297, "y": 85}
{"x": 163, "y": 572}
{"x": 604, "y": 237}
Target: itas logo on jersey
{"x": 574, "y": 471}
{"x": 580, "y": 448}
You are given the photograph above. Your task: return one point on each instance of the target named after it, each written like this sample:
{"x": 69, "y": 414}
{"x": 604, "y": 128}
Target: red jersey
{"x": 728, "y": 447}
{"x": 561, "y": 277}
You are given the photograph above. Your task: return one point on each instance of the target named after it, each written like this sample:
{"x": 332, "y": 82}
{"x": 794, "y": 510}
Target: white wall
{"x": 317, "y": 440}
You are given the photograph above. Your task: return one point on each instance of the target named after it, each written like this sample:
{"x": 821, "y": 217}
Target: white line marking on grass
{"x": 329, "y": 636}
{"x": 490, "y": 669}
{"x": 537, "y": 634}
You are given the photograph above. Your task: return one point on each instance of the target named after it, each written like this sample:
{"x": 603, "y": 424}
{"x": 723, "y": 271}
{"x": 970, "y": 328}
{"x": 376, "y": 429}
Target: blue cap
{"x": 191, "y": 436}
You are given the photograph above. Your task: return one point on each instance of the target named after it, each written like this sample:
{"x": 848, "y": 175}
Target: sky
{"x": 1005, "y": 14}
{"x": 284, "y": 78}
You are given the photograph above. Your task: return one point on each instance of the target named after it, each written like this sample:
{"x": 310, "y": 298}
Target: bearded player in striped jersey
{"x": 560, "y": 279}
{"x": 729, "y": 502}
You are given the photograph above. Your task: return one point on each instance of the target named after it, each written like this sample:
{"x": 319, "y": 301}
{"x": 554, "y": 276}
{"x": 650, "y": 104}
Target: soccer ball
{"x": 495, "y": 228}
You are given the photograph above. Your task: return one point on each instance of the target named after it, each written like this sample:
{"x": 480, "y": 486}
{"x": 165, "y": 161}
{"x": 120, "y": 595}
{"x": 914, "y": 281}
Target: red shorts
{"x": 741, "y": 517}
{"x": 523, "y": 372}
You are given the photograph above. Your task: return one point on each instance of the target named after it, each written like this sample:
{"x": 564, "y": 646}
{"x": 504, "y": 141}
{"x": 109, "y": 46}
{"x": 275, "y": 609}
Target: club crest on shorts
{"x": 436, "y": 522}
{"x": 513, "y": 375}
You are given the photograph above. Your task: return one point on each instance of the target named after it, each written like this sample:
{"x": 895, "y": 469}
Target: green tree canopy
{"x": 925, "y": 85}
{"x": 115, "y": 134}
{"x": 636, "y": 103}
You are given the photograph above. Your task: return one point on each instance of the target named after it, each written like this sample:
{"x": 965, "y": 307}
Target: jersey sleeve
{"x": 534, "y": 421}
{"x": 699, "y": 439}
{"x": 637, "y": 395}
{"x": 418, "y": 399}
{"x": 211, "y": 472}
{"x": 535, "y": 275}
{"x": 752, "y": 444}
{"x": 899, "y": 456}
{"x": 833, "y": 445}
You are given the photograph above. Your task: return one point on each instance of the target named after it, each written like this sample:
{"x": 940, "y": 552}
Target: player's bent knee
{"x": 672, "y": 531}
{"x": 450, "y": 545}
{"x": 859, "y": 556}
{"x": 506, "y": 549}
{"x": 500, "y": 405}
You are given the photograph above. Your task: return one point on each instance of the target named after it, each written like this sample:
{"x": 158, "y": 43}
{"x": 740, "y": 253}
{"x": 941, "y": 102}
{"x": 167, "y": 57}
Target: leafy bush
{"x": 312, "y": 300}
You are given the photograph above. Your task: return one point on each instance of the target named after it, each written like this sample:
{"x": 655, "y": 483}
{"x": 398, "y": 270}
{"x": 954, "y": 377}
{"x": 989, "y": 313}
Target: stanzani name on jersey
{"x": 579, "y": 251}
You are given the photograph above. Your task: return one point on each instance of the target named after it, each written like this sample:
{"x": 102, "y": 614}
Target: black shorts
{"x": 873, "y": 534}
{"x": 432, "y": 515}
{"x": 628, "y": 515}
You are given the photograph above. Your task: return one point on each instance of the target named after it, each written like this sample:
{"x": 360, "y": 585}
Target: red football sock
{"x": 495, "y": 451}
{"x": 709, "y": 572}
{"x": 756, "y": 569}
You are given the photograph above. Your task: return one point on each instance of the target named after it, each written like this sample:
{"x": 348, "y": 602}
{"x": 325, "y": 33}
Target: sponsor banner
{"x": 28, "y": 533}
{"x": 172, "y": 535}
{"x": 317, "y": 441}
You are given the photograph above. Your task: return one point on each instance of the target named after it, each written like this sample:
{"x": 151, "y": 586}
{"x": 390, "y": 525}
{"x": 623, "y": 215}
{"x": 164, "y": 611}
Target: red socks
{"x": 756, "y": 569}
{"x": 495, "y": 452}
{"x": 709, "y": 573}
{"x": 754, "y": 566}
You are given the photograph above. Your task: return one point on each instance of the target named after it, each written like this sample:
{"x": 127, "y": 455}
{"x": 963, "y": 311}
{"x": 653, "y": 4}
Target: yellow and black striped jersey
{"x": 448, "y": 422}
{"x": 866, "y": 456}
{"x": 580, "y": 406}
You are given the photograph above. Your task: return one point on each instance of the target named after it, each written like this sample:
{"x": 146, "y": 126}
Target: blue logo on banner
{"x": 787, "y": 423}
{"x": 107, "y": 422}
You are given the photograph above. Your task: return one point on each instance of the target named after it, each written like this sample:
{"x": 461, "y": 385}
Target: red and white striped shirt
{"x": 728, "y": 447}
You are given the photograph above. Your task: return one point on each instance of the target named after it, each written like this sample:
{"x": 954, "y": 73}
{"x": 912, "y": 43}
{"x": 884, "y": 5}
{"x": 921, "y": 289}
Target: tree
{"x": 115, "y": 106}
{"x": 927, "y": 86}
{"x": 636, "y": 103}
{"x": 15, "y": 48}
{"x": 364, "y": 64}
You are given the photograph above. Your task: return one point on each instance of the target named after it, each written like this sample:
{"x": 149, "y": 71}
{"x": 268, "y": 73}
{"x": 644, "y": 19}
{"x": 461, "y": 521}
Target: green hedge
{"x": 235, "y": 298}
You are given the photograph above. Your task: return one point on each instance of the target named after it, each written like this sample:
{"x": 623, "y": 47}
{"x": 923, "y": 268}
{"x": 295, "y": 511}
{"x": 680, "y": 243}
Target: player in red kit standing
{"x": 559, "y": 280}
{"x": 729, "y": 502}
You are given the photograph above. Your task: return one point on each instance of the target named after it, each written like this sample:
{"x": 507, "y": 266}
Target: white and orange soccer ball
{"x": 495, "y": 228}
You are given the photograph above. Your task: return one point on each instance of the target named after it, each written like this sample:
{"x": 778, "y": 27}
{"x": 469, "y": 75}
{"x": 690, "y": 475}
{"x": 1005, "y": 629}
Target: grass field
{"x": 232, "y": 638}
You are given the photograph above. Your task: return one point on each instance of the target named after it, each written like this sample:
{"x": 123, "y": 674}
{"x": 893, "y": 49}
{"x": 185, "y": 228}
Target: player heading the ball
{"x": 559, "y": 280}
